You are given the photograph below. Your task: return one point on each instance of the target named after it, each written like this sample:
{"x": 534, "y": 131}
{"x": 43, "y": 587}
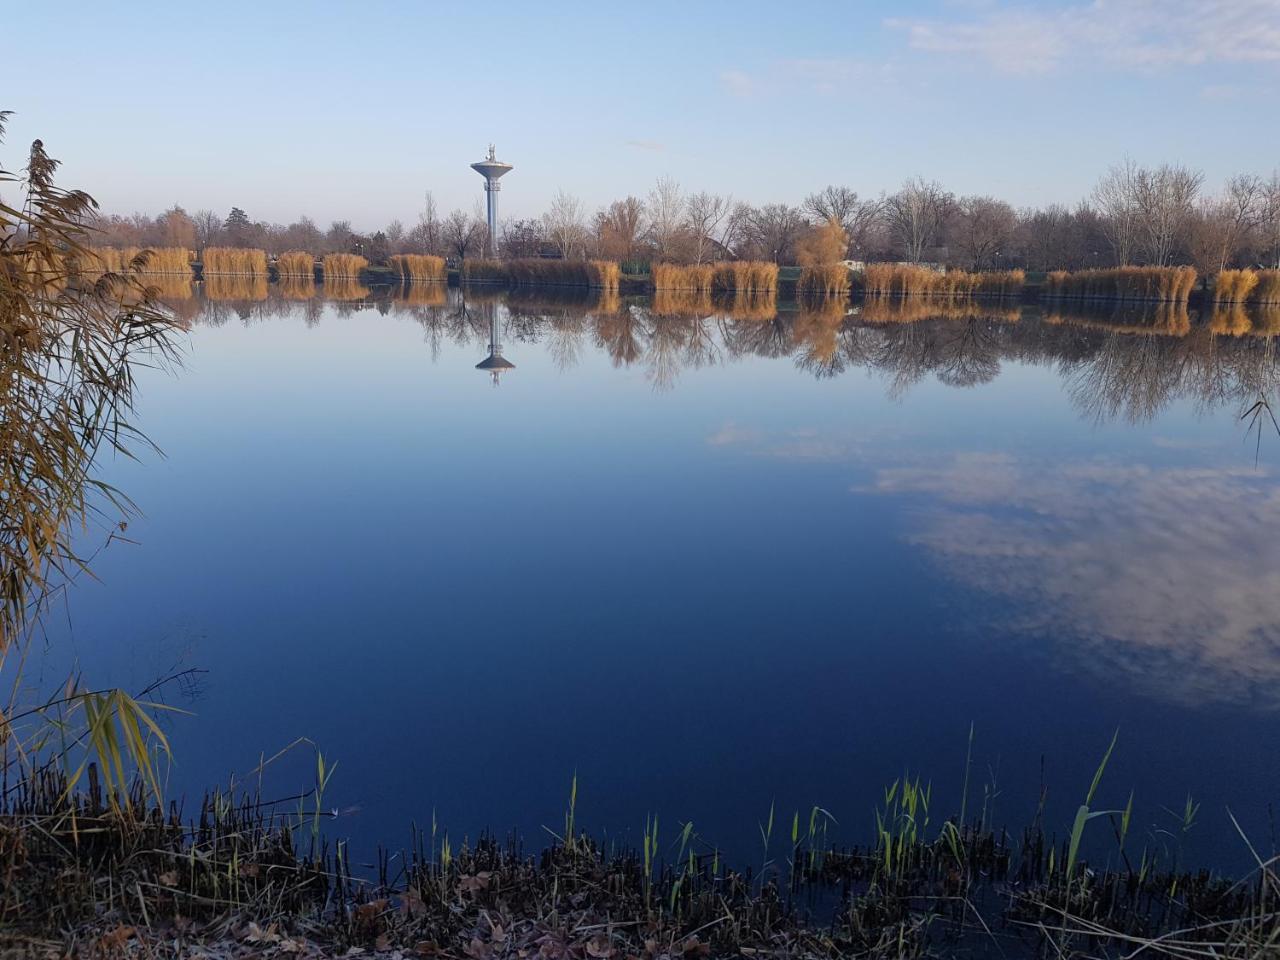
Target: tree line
{"x": 1135, "y": 215}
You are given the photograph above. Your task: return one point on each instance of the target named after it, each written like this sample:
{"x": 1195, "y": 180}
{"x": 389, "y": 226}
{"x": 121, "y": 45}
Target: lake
{"x": 708, "y": 558}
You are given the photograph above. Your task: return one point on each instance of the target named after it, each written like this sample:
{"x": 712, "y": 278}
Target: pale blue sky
{"x": 346, "y": 110}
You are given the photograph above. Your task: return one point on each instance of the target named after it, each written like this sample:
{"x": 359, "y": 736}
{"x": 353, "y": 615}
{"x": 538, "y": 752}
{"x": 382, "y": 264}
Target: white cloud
{"x": 737, "y": 83}
{"x": 655, "y": 145}
{"x": 1166, "y": 577}
{"x": 1137, "y": 34}
{"x": 824, "y": 76}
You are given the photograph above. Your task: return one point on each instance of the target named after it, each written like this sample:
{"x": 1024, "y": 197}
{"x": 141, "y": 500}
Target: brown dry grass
{"x": 485, "y": 271}
{"x": 343, "y": 266}
{"x": 1172, "y": 284}
{"x": 420, "y": 267}
{"x": 174, "y": 261}
{"x": 296, "y": 263}
{"x": 693, "y": 277}
{"x": 596, "y": 274}
{"x": 1234, "y": 286}
{"x": 745, "y": 276}
{"x": 235, "y": 260}
{"x": 910, "y": 280}
{"x": 1268, "y": 287}
{"x": 826, "y": 280}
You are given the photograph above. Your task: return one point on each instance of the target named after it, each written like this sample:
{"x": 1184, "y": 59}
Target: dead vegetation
{"x": 912, "y": 280}
{"x": 233, "y": 261}
{"x": 1123, "y": 283}
{"x": 419, "y": 268}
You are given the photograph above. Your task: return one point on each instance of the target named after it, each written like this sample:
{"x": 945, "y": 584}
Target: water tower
{"x": 491, "y": 169}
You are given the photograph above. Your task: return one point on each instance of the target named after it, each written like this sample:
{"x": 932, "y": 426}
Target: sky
{"x": 354, "y": 110}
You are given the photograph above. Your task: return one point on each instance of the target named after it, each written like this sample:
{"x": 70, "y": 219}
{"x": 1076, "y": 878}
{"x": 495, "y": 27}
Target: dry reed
{"x": 911, "y": 280}
{"x": 692, "y": 277}
{"x": 485, "y": 271}
{"x": 343, "y": 266}
{"x": 745, "y": 276}
{"x": 596, "y": 274}
{"x": 826, "y": 280}
{"x": 419, "y": 267}
{"x": 1124, "y": 283}
{"x": 296, "y": 263}
{"x": 1234, "y": 286}
{"x": 235, "y": 260}
{"x": 1268, "y": 287}
{"x": 174, "y": 261}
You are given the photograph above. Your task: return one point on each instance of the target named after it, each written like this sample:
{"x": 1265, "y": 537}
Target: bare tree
{"x": 462, "y": 234}
{"x": 1221, "y": 224}
{"x": 774, "y": 229}
{"x": 619, "y": 228}
{"x": 735, "y": 228}
{"x": 1116, "y": 199}
{"x": 1269, "y": 218}
{"x": 916, "y": 215}
{"x": 983, "y": 226}
{"x": 666, "y": 208}
{"x": 1166, "y": 199}
{"x": 704, "y": 214}
{"x": 857, "y": 217}
{"x": 426, "y": 235}
{"x": 565, "y": 226}
{"x": 395, "y": 234}
{"x": 208, "y": 226}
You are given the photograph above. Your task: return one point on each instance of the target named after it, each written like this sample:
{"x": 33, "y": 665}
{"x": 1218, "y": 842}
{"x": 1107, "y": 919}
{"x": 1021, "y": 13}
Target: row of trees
{"x": 1135, "y": 215}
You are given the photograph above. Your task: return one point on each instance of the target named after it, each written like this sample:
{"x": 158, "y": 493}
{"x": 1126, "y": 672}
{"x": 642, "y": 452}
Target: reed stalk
{"x": 419, "y": 268}
{"x": 1172, "y": 284}
{"x": 296, "y": 263}
{"x": 235, "y": 260}
{"x": 343, "y": 266}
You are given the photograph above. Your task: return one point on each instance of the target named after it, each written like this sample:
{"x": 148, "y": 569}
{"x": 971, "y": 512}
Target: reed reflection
{"x": 1124, "y": 363}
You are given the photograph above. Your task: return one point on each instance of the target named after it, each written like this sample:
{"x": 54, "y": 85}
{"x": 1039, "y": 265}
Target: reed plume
{"x": 826, "y": 280}
{"x": 485, "y": 271}
{"x": 296, "y": 263}
{"x": 1268, "y": 287}
{"x": 693, "y": 277}
{"x": 418, "y": 267}
{"x": 235, "y": 260}
{"x": 1124, "y": 283}
{"x": 148, "y": 261}
{"x": 343, "y": 266}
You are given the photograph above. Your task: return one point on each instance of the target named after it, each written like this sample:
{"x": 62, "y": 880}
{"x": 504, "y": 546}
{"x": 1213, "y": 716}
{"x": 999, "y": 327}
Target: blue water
{"x": 707, "y": 580}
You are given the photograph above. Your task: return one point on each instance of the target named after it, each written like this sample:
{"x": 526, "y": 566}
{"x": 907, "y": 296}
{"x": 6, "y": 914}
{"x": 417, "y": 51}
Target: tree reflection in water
{"x": 1128, "y": 362}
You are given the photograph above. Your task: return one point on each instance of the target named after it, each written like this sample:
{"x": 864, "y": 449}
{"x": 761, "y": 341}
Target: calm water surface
{"x": 706, "y": 561}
